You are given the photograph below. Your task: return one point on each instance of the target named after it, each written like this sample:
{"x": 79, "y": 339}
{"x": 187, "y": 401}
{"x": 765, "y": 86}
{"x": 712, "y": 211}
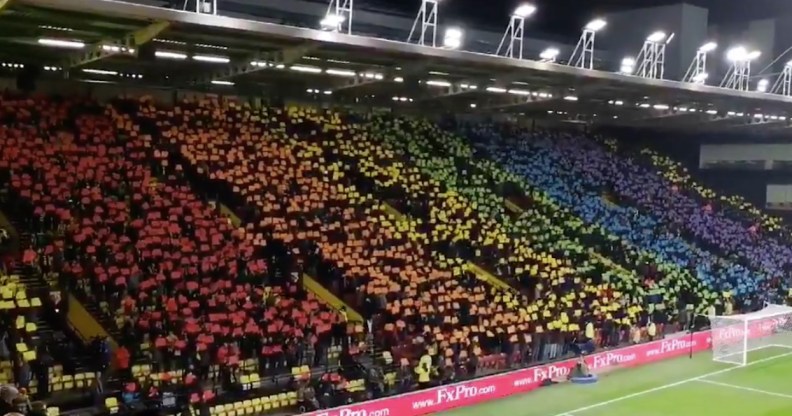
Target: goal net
{"x": 734, "y": 336}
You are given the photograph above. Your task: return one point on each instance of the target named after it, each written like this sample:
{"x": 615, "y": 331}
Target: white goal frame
{"x": 734, "y": 336}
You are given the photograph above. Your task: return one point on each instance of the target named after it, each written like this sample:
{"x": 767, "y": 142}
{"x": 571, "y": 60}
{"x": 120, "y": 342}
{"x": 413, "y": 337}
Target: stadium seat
{"x": 111, "y": 404}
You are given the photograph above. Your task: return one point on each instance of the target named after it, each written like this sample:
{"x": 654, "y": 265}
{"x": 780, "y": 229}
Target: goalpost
{"x": 734, "y": 336}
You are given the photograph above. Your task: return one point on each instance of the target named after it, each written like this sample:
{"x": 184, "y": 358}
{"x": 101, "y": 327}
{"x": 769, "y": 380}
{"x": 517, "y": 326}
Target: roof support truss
{"x": 127, "y": 44}
{"x": 455, "y": 90}
{"x": 388, "y": 76}
{"x": 261, "y": 61}
{"x": 510, "y": 101}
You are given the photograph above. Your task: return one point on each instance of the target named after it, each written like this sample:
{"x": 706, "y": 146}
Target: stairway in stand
{"x": 36, "y": 285}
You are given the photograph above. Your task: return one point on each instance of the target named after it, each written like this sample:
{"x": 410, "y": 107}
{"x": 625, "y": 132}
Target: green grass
{"x": 679, "y": 387}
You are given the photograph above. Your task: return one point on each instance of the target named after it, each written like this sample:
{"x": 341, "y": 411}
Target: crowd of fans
{"x": 194, "y": 296}
{"x": 463, "y": 253}
{"x": 581, "y": 174}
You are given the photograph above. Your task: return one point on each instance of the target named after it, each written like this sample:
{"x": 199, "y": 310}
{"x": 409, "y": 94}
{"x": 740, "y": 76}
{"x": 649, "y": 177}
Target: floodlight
{"x": 340, "y": 72}
{"x": 438, "y": 83}
{"x": 332, "y": 21}
{"x": 338, "y": 15}
{"x": 524, "y": 10}
{"x": 212, "y": 59}
{"x": 222, "y": 82}
{"x": 789, "y": 63}
{"x": 656, "y": 37}
{"x": 498, "y": 90}
{"x": 753, "y": 55}
{"x": 595, "y": 25}
{"x": 708, "y": 47}
{"x": 511, "y": 44}
{"x": 737, "y": 53}
{"x": 627, "y": 65}
{"x": 307, "y": 69}
{"x": 453, "y": 38}
{"x": 549, "y": 54}
{"x": 170, "y": 55}
{"x": 761, "y": 86}
{"x": 100, "y": 71}
{"x": 700, "y": 78}
{"x": 583, "y": 54}
{"x": 60, "y": 43}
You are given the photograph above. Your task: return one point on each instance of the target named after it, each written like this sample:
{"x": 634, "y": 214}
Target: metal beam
{"x": 522, "y": 102}
{"x": 474, "y": 85}
{"x": 455, "y": 90}
{"x": 387, "y": 76}
{"x": 765, "y": 123}
{"x": 261, "y": 61}
{"x": 128, "y": 44}
{"x": 667, "y": 116}
{"x": 386, "y": 49}
{"x": 4, "y": 4}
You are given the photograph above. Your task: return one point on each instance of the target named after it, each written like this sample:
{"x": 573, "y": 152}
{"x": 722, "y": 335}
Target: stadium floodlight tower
{"x": 453, "y": 38}
{"x": 512, "y": 40}
{"x": 739, "y": 75}
{"x": 549, "y": 55}
{"x": 651, "y": 58}
{"x": 734, "y": 336}
{"x": 201, "y": 6}
{"x": 424, "y": 28}
{"x": 783, "y": 84}
{"x": 583, "y": 54}
{"x": 697, "y": 71}
{"x": 339, "y": 16}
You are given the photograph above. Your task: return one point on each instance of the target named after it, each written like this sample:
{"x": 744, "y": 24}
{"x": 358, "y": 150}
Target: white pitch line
{"x": 668, "y": 386}
{"x": 753, "y": 390}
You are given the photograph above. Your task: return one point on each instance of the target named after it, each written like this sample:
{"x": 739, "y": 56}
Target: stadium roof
{"x": 208, "y": 51}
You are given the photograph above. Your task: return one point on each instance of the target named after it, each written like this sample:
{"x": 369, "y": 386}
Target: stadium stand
{"x": 578, "y": 172}
{"x": 462, "y": 255}
{"x": 374, "y": 259}
{"x": 732, "y": 206}
{"x": 193, "y": 297}
{"x": 312, "y": 132}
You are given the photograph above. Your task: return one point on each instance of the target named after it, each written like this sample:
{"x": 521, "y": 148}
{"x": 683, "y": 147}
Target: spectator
{"x": 376, "y": 381}
{"x": 122, "y": 358}
{"x": 5, "y": 353}
{"x": 306, "y": 396}
{"x": 651, "y": 331}
{"x": 404, "y": 375}
{"x": 5, "y": 237}
{"x": 424, "y": 370}
{"x": 97, "y": 390}
{"x": 22, "y": 373}
{"x": 8, "y": 394}
{"x": 22, "y": 402}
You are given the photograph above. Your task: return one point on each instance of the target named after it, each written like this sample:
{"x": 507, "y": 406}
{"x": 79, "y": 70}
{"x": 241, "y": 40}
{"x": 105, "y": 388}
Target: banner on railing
{"x": 477, "y": 391}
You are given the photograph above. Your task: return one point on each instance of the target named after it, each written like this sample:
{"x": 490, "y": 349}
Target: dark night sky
{"x": 565, "y": 17}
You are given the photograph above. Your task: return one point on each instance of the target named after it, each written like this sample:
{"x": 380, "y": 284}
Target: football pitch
{"x": 678, "y": 387}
